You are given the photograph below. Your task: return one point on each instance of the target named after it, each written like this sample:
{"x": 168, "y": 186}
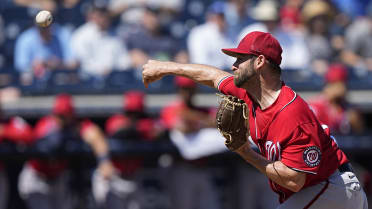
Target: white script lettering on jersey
{"x": 272, "y": 151}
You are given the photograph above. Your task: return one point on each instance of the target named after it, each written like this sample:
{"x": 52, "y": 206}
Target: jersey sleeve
{"x": 19, "y": 131}
{"x": 115, "y": 123}
{"x": 45, "y": 126}
{"x": 303, "y": 151}
{"x": 227, "y": 87}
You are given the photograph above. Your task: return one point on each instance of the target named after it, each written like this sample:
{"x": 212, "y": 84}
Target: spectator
{"x": 358, "y": 40}
{"x": 150, "y": 40}
{"x": 317, "y": 15}
{"x": 351, "y": 8}
{"x": 49, "y": 5}
{"x": 331, "y": 106}
{"x": 290, "y": 14}
{"x": 95, "y": 46}
{"x": 205, "y": 41}
{"x": 118, "y": 7}
{"x": 192, "y": 133}
{"x": 237, "y": 17}
{"x": 38, "y": 51}
{"x": 295, "y": 52}
{"x": 134, "y": 124}
{"x": 44, "y": 182}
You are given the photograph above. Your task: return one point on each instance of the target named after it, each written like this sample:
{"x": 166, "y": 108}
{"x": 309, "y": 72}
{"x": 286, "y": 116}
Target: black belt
{"x": 346, "y": 167}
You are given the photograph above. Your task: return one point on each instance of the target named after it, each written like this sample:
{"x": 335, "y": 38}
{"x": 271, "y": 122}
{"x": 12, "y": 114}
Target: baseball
{"x": 43, "y": 18}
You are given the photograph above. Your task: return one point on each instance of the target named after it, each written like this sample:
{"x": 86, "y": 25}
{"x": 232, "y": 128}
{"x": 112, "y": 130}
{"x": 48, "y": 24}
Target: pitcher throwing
{"x": 305, "y": 166}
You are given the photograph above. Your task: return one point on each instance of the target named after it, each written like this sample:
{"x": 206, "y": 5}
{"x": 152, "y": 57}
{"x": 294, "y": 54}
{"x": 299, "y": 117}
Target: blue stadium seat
{"x": 119, "y": 81}
{"x": 59, "y": 81}
{"x": 162, "y": 86}
{"x": 67, "y": 81}
{"x": 8, "y": 77}
{"x": 302, "y": 80}
{"x": 16, "y": 20}
{"x": 360, "y": 82}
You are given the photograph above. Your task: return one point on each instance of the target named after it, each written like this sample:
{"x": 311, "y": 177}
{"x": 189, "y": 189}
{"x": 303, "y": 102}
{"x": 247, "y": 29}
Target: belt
{"x": 346, "y": 167}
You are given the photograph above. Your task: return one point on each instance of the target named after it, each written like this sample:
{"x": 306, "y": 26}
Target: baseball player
{"x": 44, "y": 182}
{"x": 304, "y": 165}
{"x": 18, "y": 131}
{"x": 133, "y": 124}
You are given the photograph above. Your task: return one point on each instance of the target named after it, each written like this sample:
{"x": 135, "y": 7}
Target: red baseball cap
{"x": 63, "y": 105}
{"x": 336, "y": 73}
{"x": 258, "y": 43}
{"x": 134, "y": 101}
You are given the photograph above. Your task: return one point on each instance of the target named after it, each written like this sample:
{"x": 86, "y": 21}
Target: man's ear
{"x": 260, "y": 61}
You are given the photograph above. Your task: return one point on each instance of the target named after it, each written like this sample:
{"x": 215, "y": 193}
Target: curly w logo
{"x": 272, "y": 150}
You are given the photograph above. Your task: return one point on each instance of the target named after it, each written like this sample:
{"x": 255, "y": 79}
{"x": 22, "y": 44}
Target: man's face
{"x": 101, "y": 18}
{"x": 243, "y": 69}
{"x": 46, "y": 34}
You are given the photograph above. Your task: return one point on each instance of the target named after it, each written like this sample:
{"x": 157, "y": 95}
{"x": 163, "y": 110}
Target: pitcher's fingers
{"x": 145, "y": 82}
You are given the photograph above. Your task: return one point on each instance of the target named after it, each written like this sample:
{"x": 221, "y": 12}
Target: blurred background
{"x": 78, "y": 130}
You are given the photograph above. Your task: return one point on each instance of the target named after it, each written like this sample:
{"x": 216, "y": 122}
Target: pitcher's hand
{"x": 154, "y": 70}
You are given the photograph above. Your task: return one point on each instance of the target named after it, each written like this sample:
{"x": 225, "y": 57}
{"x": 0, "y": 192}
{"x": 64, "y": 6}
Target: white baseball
{"x": 43, "y": 18}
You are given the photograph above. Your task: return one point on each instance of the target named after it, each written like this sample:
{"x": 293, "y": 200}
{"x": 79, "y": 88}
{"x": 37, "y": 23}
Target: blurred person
{"x": 148, "y": 39}
{"x": 296, "y": 55}
{"x": 136, "y": 125}
{"x": 237, "y": 17}
{"x": 192, "y": 131}
{"x": 351, "y": 8}
{"x": 44, "y": 182}
{"x": 358, "y": 44}
{"x": 12, "y": 130}
{"x": 332, "y": 107}
{"x": 317, "y": 15}
{"x": 204, "y": 40}
{"x": 126, "y": 7}
{"x": 290, "y": 14}
{"x": 40, "y": 50}
{"x": 96, "y": 47}
{"x": 49, "y": 5}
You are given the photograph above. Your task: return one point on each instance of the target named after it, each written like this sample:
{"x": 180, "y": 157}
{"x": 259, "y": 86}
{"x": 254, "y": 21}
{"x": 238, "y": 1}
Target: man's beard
{"x": 241, "y": 78}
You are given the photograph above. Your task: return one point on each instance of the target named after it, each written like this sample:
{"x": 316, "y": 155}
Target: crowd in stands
{"x": 93, "y": 39}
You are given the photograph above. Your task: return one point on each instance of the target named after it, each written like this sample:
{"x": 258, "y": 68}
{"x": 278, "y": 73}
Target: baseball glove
{"x": 232, "y": 121}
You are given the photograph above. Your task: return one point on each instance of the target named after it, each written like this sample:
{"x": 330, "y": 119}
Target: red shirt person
{"x": 301, "y": 144}
{"x": 331, "y": 106}
{"x": 64, "y": 126}
{"x": 134, "y": 124}
{"x": 17, "y": 131}
{"x": 303, "y": 163}
{"x": 45, "y": 178}
{"x": 182, "y": 113}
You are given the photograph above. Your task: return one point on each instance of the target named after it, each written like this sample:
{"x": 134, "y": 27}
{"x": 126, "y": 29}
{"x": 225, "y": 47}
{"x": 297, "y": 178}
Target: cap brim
{"x": 234, "y": 52}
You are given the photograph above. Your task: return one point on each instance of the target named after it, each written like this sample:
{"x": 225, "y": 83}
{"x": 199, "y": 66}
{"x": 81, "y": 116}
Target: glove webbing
{"x": 224, "y": 97}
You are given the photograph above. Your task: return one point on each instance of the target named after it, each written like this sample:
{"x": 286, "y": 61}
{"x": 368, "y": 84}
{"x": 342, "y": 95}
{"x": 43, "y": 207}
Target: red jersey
{"x": 177, "y": 112}
{"x": 289, "y": 131}
{"x": 335, "y": 118}
{"x": 17, "y": 130}
{"x": 144, "y": 129}
{"x": 51, "y": 167}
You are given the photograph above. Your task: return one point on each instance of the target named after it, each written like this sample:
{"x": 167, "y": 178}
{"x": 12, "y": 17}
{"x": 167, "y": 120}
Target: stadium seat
{"x": 302, "y": 80}
{"x": 119, "y": 81}
{"x": 8, "y": 77}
